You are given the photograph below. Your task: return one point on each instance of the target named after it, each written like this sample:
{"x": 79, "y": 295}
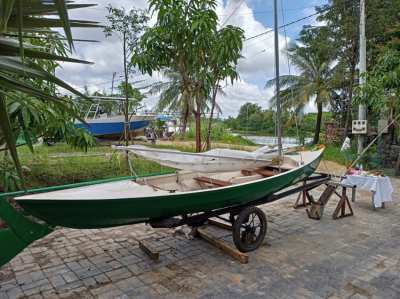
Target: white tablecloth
{"x": 380, "y": 186}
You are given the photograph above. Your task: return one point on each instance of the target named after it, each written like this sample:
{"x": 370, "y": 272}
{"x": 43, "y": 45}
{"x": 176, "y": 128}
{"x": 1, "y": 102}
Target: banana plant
{"x": 21, "y": 62}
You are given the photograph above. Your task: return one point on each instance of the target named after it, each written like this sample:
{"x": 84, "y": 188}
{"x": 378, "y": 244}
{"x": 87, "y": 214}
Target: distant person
{"x": 345, "y": 149}
{"x": 152, "y": 136}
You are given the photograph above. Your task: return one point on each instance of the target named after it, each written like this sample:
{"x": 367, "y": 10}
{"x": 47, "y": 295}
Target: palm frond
{"x": 17, "y": 75}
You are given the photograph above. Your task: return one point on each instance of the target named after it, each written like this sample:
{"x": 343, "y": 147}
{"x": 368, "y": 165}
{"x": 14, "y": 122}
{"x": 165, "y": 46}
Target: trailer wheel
{"x": 249, "y": 229}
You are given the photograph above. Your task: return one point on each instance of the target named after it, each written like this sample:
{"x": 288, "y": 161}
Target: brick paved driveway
{"x": 355, "y": 257}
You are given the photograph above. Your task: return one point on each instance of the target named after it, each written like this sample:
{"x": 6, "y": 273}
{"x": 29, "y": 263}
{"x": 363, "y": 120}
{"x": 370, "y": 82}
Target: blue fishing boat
{"x": 106, "y": 125}
{"x": 114, "y": 125}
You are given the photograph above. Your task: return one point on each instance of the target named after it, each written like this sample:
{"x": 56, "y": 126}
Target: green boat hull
{"x": 97, "y": 213}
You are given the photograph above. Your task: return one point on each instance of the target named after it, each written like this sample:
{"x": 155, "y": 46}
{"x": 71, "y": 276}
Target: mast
{"x": 278, "y": 100}
{"x": 362, "y": 110}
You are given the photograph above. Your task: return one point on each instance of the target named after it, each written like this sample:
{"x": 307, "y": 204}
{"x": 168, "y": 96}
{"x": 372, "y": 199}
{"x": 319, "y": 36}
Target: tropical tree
{"x": 182, "y": 40}
{"x": 227, "y": 45}
{"x": 22, "y": 64}
{"x": 382, "y": 91}
{"x": 171, "y": 97}
{"x": 127, "y": 26}
{"x": 312, "y": 56}
{"x": 340, "y": 17}
{"x": 135, "y": 97}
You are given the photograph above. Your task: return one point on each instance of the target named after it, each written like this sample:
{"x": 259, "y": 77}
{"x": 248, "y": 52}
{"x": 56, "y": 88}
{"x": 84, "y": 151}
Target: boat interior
{"x": 191, "y": 181}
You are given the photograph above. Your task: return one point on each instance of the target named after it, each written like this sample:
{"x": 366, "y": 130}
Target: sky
{"x": 255, "y": 68}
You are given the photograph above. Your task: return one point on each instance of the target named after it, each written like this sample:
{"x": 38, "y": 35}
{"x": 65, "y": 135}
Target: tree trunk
{"x": 397, "y": 166}
{"x": 353, "y": 63}
{"x": 208, "y": 138}
{"x": 319, "y": 121}
{"x": 185, "y": 118}
{"x": 197, "y": 116}
{"x": 126, "y": 112}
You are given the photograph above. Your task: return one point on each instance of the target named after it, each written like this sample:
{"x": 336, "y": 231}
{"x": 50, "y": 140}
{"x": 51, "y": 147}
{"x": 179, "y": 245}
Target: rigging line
{"x": 107, "y": 82}
{"x": 232, "y": 13}
{"x": 286, "y": 25}
{"x": 289, "y": 71}
{"x": 268, "y": 11}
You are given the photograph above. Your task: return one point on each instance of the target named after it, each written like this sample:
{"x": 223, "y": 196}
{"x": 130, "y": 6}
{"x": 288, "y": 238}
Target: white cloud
{"x": 258, "y": 53}
{"x": 240, "y": 93}
{"x": 254, "y": 69}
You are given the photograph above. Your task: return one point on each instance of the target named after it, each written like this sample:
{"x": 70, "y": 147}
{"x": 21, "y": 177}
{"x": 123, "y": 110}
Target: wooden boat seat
{"x": 261, "y": 171}
{"x": 245, "y": 179}
{"x": 216, "y": 182}
{"x": 265, "y": 172}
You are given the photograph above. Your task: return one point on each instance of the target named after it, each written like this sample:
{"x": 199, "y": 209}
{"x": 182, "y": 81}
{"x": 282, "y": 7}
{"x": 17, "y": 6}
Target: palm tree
{"x": 172, "y": 98}
{"x": 313, "y": 59}
{"x": 22, "y": 64}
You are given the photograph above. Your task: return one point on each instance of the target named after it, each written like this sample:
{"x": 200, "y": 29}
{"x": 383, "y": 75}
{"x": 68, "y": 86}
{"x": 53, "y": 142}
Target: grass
{"x": 220, "y": 134}
{"x": 333, "y": 153}
{"x": 61, "y": 164}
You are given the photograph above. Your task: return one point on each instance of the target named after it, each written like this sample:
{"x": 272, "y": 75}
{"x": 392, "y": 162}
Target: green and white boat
{"x": 30, "y": 215}
{"x": 144, "y": 199}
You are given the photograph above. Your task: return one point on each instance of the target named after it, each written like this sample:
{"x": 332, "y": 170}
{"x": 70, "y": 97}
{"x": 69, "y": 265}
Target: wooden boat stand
{"x": 316, "y": 209}
{"x": 304, "y": 198}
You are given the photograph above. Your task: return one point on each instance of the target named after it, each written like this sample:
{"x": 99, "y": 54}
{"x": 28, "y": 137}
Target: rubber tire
{"x": 243, "y": 217}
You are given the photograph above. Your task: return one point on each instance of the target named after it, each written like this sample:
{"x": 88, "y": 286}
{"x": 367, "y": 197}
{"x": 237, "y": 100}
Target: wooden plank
{"x": 149, "y": 250}
{"x": 212, "y": 181}
{"x": 233, "y": 252}
{"x": 220, "y": 224}
{"x": 265, "y": 172}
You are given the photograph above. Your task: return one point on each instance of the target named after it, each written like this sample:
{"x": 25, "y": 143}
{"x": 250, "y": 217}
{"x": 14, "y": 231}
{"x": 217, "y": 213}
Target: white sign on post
{"x": 359, "y": 126}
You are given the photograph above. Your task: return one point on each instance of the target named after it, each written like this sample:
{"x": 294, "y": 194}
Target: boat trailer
{"x": 249, "y": 223}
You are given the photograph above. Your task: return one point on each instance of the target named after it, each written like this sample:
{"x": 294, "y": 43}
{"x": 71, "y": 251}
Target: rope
{"x": 289, "y": 70}
{"x": 132, "y": 171}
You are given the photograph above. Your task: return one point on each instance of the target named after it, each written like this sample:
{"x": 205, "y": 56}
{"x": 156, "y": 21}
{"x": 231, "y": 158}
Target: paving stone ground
{"x": 354, "y": 257}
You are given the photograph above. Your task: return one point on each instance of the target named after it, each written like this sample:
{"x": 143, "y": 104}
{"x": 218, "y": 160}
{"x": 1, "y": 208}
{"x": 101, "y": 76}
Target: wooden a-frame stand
{"x": 303, "y": 199}
{"x": 316, "y": 210}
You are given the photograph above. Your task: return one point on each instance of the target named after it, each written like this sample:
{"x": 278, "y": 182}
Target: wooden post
{"x": 233, "y": 252}
{"x": 220, "y": 224}
{"x": 341, "y": 207}
{"x": 304, "y": 197}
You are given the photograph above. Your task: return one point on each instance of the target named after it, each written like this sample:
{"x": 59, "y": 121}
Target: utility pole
{"x": 112, "y": 83}
{"x": 362, "y": 109}
{"x": 278, "y": 100}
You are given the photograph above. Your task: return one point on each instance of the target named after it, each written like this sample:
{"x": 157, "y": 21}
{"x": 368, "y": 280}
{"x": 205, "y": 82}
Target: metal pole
{"x": 278, "y": 100}
{"x": 362, "y": 109}
{"x": 112, "y": 83}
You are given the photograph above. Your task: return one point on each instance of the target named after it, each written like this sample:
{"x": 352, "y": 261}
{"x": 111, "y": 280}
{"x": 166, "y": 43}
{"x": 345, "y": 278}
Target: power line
{"x": 267, "y": 11}
{"x": 233, "y": 12}
{"x": 285, "y": 25}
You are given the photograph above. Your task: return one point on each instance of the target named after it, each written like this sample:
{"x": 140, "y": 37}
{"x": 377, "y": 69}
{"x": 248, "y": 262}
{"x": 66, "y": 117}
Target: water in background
{"x": 272, "y": 140}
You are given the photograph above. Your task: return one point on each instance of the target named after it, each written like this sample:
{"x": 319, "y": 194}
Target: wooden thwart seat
{"x": 262, "y": 171}
{"x": 216, "y": 182}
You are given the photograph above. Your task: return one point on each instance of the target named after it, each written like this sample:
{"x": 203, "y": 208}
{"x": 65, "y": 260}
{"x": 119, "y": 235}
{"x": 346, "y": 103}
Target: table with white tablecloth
{"x": 380, "y": 186}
